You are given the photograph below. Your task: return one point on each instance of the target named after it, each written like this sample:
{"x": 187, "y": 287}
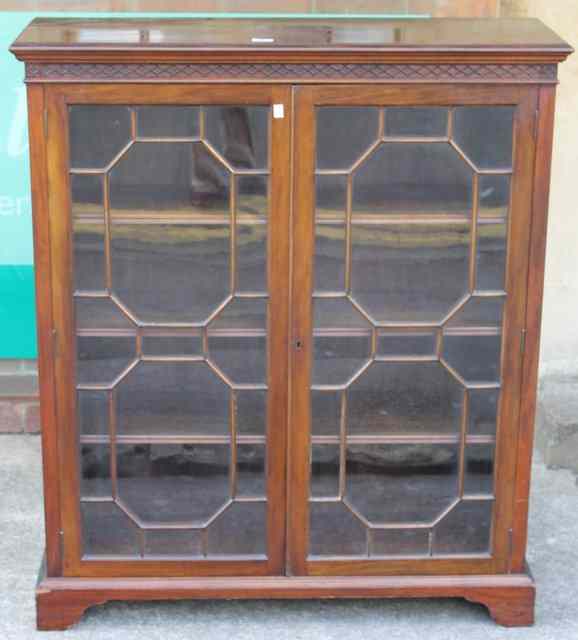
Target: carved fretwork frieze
{"x": 278, "y": 72}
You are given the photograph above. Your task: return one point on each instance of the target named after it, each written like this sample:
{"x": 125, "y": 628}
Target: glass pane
{"x": 418, "y": 177}
{"x": 167, "y": 122}
{"x": 344, "y": 134}
{"x": 416, "y": 121}
{"x": 252, "y": 257}
{"x": 92, "y": 409}
{"x": 400, "y": 542}
{"x": 404, "y": 398}
{"x": 95, "y": 471}
{"x": 184, "y": 483}
{"x": 417, "y": 344}
{"x": 324, "y": 470}
{"x": 238, "y": 342}
{"x": 335, "y": 531}
{"x": 466, "y": 529}
{"x": 172, "y": 399}
{"x": 494, "y": 196}
{"x": 101, "y": 313}
{"x": 251, "y": 412}
{"x": 252, "y": 197}
{"x": 107, "y": 530}
{"x": 478, "y": 312}
{"x": 491, "y": 259}
{"x": 88, "y": 230}
{"x": 483, "y": 412}
{"x": 325, "y": 413}
{"x": 476, "y": 357}
{"x": 485, "y": 135}
{"x": 97, "y": 134}
{"x": 239, "y": 134}
{"x": 100, "y": 360}
{"x": 330, "y": 197}
{"x": 251, "y": 479}
{"x": 401, "y": 483}
{"x": 172, "y": 345}
{"x": 409, "y": 273}
{"x": 479, "y": 473}
{"x": 342, "y": 343}
{"x": 240, "y": 530}
{"x": 187, "y": 542}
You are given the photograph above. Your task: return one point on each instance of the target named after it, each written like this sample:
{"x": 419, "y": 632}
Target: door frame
{"x": 525, "y": 98}
{"x": 55, "y": 273}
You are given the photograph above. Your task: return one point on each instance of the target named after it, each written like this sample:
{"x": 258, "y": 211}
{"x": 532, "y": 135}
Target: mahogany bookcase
{"x": 289, "y": 279}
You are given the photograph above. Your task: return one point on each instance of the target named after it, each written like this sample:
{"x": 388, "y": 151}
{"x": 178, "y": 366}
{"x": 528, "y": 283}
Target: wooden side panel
{"x": 537, "y": 255}
{"x": 42, "y": 262}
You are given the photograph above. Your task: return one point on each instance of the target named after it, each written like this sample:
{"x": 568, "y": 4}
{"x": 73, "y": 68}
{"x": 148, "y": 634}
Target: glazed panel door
{"x": 170, "y": 261}
{"x": 411, "y": 227}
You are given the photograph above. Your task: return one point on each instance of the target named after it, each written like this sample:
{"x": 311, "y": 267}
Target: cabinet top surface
{"x": 49, "y": 39}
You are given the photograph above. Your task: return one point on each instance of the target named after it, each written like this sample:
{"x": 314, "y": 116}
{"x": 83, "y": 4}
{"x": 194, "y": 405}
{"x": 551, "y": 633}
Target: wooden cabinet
{"x": 289, "y": 278}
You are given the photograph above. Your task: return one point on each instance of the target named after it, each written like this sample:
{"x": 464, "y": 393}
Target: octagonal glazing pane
{"x": 401, "y": 483}
{"x": 403, "y": 398}
{"x": 173, "y": 483}
{"x": 172, "y": 399}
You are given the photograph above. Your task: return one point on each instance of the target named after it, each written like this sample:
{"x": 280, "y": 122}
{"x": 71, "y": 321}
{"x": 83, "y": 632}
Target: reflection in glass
{"x": 239, "y": 134}
{"x": 172, "y": 398}
{"x": 163, "y": 483}
{"x": 402, "y": 398}
{"x": 252, "y": 257}
{"x": 343, "y": 134}
{"x": 100, "y": 313}
{"x": 479, "y": 311}
{"x": 329, "y": 258}
{"x": 397, "y": 483}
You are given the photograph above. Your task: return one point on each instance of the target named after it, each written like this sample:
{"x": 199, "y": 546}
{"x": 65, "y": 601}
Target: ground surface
{"x": 553, "y": 554}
